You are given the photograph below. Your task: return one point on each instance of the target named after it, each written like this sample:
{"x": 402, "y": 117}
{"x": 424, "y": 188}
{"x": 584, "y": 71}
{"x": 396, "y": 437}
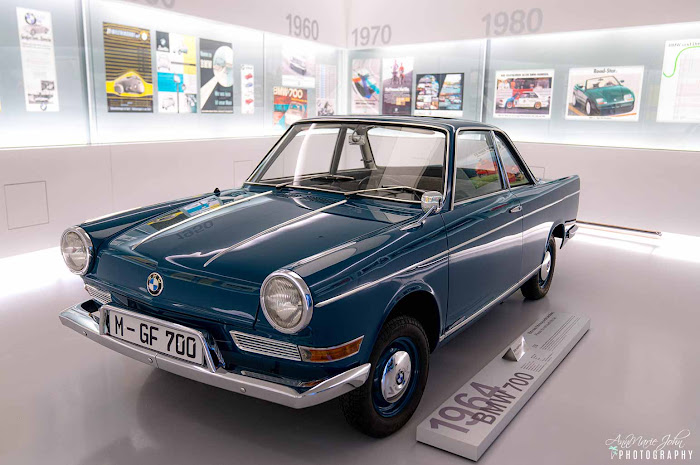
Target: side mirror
{"x": 431, "y": 201}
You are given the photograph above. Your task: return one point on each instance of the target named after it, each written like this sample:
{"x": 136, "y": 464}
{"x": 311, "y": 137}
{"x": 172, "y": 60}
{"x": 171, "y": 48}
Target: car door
{"x": 533, "y": 197}
{"x": 484, "y": 232}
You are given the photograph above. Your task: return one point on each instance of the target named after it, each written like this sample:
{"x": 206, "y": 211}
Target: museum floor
{"x": 65, "y": 400}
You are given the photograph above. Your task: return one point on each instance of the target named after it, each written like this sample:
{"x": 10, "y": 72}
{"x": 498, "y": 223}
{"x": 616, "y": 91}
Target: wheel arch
{"x": 418, "y": 300}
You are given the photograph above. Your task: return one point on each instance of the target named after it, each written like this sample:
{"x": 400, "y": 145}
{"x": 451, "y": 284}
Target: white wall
{"x": 89, "y": 181}
{"x": 645, "y": 189}
{"x": 418, "y": 21}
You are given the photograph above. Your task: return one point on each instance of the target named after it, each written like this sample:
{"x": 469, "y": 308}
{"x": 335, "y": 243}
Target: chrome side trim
{"x": 435, "y": 257}
{"x": 79, "y": 320}
{"x": 273, "y": 229}
{"x": 457, "y": 326}
{"x": 191, "y": 218}
{"x": 385, "y": 278}
{"x": 265, "y": 346}
{"x": 306, "y": 260}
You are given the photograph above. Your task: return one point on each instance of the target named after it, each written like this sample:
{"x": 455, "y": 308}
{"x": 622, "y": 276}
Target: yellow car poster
{"x": 128, "y": 68}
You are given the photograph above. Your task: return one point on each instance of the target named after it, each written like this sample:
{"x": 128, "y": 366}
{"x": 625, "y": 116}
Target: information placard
{"x": 472, "y": 418}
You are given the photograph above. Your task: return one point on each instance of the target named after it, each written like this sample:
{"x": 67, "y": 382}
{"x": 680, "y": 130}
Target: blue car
{"x": 357, "y": 247}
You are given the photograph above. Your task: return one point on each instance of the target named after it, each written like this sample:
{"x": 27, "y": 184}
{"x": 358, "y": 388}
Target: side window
{"x": 516, "y": 175}
{"x": 476, "y": 166}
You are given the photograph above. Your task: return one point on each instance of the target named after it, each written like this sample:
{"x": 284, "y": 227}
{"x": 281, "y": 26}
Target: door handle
{"x": 516, "y": 209}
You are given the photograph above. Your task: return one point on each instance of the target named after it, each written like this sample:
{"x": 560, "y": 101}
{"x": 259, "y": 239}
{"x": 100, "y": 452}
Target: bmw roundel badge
{"x": 154, "y": 284}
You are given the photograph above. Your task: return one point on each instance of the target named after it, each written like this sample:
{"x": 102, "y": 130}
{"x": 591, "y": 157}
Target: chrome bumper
{"x": 79, "y": 320}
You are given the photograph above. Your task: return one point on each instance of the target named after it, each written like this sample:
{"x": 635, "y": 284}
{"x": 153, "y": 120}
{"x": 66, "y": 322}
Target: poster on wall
{"x": 216, "y": 76}
{"x": 247, "y": 89}
{"x": 290, "y": 105}
{"x": 298, "y": 66}
{"x": 439, "y": 94}
{"x": 397, "y": 86}
{"x": 176, "y": 62}
{"x": 679, "y": 93}
{"x": 128, "y": 72}
{"x": 523, "y": 94}
{"x": 326, "y": 89}
{"x": 365, "y": 87}
{"x": 610, "y": 93}
{"x": 38, "y": 60}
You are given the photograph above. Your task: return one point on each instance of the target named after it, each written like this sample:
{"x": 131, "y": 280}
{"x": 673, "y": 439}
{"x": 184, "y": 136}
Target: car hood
{"x": 610, "y": 94}
{"x": 214, "y": 253}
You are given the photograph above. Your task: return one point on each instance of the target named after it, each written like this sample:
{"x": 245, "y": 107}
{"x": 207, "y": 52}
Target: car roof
{"x": 444, "y": 123}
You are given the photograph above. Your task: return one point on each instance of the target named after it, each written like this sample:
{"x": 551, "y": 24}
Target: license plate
{"x": 157, "y": 336}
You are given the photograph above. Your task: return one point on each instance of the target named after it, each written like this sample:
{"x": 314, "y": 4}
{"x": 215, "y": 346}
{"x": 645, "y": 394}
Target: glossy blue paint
{"x": 354, "y": 257}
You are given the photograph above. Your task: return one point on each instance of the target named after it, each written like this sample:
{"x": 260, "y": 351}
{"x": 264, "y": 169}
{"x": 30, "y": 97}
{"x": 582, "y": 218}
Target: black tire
{"x": 360, "y": 405}
{"x": 535, "y": 288}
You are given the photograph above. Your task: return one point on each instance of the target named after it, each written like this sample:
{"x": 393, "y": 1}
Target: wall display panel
{"x": 463, "y": 61}
{"x": 216, "y": 76}
{"x": 523, "y": 94}
{"x": 247, "y": 89}
{"x": 637, "y": 53}
{"x": 606, "y": 93}
{"x": 38, "y": 62}
{"x": 42, "y": 60}
{"x": 365, "y": 82}
{"x": 290, "y": 105}
{"x": 326, "y": 90}
{"x": 176, "y": 62}
{"x": 298, "y": 75}
{"x": 397, "y": 85}
{"x": 679, "y": 95}
{"x": 182, "y": 101}
{"x": 128, "y": 68}
{"x": 439, "y": 94}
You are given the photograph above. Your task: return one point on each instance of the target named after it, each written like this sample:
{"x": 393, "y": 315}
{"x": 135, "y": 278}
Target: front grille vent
{"x": 100, "y": 296}
{"x": 265, "y": 346}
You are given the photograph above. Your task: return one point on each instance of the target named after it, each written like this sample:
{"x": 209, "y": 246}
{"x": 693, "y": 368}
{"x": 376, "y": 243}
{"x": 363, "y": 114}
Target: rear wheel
{"x": 537, "y": 286}
{"x": 387, "y": 400}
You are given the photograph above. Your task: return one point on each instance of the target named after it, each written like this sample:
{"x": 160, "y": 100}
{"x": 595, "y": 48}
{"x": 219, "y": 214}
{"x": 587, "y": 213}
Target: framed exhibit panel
{"x": 195, "y": 86}
{"x": 43, "y": 94}
{"x": 442, "y": 79}
{"x": 627, "y": 87}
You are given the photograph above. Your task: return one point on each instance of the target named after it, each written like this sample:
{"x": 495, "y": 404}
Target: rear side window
{"x": 476, "y": 166}
{"x": 514, "y": 171}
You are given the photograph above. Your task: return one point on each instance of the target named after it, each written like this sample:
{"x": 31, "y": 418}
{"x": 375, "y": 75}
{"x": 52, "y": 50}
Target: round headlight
{"x": 286, "y": 301}
{"x": 76, "y": 248}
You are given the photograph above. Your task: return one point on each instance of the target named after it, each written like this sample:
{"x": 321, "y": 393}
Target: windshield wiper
{"x": 329, "y": 177}
{"x": 387, "y": 188}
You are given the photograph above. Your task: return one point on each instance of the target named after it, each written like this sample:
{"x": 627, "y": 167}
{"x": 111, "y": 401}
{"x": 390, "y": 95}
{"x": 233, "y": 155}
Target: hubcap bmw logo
{"x": 154, "y": 284}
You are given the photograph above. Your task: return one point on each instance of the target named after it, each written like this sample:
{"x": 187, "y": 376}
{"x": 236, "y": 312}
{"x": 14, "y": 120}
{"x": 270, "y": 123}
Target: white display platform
{"x": 472, "y": 418}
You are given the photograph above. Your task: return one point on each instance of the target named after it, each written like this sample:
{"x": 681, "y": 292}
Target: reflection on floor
{"x": 68, "y": 401}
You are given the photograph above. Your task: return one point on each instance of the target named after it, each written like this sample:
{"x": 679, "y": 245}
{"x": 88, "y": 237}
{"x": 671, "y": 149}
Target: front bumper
{"x": 81, "y": 321}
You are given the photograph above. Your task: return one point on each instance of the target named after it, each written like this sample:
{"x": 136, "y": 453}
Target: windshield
{"x": 389, "y": 161}
{"x": 607, "y": 81}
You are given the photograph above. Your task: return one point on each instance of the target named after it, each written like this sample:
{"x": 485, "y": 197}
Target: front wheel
{"x": 537, "y": 286}
{"x": 387, "y": 400}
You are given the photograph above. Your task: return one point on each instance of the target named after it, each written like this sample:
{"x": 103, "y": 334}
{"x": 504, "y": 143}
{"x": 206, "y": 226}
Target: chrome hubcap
{"x": 546, "y": 266}
{"x": 396, "y": 376}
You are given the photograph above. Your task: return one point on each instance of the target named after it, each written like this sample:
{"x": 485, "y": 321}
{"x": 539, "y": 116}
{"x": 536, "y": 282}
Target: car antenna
{"x": 217, "y": 192}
